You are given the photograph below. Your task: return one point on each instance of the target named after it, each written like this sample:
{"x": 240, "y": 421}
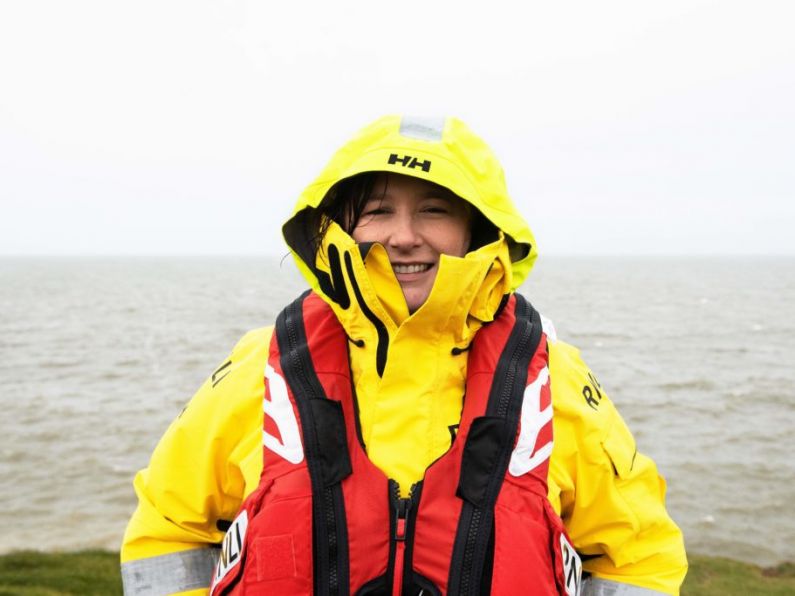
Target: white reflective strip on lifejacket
{"x": 425, "y": 129}
{"x": 525, "y": 456}
{"x": 594, "y": 586}
{"x": 277, "y": 405}
{"x": 167, "y": 574}
{"x": 548, "y": 327}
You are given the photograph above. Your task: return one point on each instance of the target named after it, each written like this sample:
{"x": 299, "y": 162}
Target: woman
{"x": 407, "y": 418}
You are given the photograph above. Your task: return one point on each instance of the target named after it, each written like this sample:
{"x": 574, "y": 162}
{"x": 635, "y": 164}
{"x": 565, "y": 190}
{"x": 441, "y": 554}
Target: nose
{"x": 405, "y": 233}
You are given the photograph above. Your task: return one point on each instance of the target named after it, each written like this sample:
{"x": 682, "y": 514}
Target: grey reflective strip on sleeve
{"x": 167, "y": 574}
{"x": 425, "y": 129}
{"x": 594, "y": 586}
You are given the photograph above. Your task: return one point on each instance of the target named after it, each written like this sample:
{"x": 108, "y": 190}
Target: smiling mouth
{"x": 412, "y": 268}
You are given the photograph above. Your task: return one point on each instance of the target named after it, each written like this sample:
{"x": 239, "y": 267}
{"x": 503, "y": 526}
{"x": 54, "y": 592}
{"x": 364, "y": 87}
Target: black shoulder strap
{"x": 325, "y": 448}
{"x": 486, "y": 456}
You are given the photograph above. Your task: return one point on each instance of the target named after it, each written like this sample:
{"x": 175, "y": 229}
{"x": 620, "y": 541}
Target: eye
{"x": 436, "y": 207}
{"x": 374, "y": 208}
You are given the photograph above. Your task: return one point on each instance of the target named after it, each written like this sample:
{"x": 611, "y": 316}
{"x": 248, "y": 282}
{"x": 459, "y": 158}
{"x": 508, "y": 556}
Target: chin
{"x": 415, "y": 297}
{"x": 414, "y": 304}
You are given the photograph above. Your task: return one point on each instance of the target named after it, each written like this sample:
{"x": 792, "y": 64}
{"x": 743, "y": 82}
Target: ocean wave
{"x": 690, "y": 385}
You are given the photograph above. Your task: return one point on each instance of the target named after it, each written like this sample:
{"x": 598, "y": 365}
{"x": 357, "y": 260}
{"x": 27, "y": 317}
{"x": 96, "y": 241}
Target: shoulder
{"x": 576, "y": 391}
{"x": 585, "y": 419}
{"x": 253, "y": 343}
{"x": 235, "y": 387}
{"x": 247, "y": 357}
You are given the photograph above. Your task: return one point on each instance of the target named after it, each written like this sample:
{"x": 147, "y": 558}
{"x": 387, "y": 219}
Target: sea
{"x": 98, "y": 355}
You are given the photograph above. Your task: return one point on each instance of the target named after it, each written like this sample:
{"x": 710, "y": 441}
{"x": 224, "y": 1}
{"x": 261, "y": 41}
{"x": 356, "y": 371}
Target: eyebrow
{"x": 443, "y": 194}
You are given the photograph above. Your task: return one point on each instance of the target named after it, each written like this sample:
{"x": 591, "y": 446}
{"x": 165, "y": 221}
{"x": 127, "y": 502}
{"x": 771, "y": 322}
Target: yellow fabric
{"x": 405, "y": 419}
{"x": 611, "y": 499}
{"x": 195, "y": 474}
{"x": 210, "y": 459}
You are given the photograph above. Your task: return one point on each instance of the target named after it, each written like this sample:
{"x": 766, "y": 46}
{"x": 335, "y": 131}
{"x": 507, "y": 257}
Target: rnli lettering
{"x": 572, "y": 568}
{"x": 588, "y": 393}
{"x": 407, "y": 161}
{"x": 231, "y": 547}
{"x": 221, "y": 373}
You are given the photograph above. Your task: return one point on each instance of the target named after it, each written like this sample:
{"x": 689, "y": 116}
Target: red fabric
{"x": 365, "y": 491}
{"x": 277, "y": 558}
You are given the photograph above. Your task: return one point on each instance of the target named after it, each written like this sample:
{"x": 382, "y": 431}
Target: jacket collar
{"x": 365, "y": 295}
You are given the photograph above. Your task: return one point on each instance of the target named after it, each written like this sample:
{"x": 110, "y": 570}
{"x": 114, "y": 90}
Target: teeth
{"x": 410, "y": 268}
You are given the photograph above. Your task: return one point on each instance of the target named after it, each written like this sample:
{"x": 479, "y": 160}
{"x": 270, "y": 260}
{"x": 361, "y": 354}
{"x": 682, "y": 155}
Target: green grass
{"x": 97, "y": 572}
{"x": 55, "y": 574}
{"x": 710, "y": 576}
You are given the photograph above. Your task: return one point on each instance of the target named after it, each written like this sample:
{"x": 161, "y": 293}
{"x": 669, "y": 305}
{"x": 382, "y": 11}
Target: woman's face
{"x": 416, "y": 221}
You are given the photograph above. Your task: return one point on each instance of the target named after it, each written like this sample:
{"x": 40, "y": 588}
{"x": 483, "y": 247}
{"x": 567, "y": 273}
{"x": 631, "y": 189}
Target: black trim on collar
{"x": 380, "y": 328}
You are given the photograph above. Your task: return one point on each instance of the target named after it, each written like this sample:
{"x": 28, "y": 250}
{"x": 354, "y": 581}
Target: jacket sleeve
{"x": 195, "y": 480}
{"x": 610, "y": 497}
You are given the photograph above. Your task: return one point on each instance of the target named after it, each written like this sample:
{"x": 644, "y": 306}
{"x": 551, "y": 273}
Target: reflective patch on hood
{"x": 423, "y": 128}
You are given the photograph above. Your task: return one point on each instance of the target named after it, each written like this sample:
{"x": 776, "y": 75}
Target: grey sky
{"x": 189, "y": 127}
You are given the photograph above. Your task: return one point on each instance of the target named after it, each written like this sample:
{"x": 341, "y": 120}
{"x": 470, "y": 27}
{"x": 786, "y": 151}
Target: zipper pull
{"x": 402, "y": 509}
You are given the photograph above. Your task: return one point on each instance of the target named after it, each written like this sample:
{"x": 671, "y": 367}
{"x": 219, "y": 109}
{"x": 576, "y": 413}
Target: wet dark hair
{"x": 345, "y": 202}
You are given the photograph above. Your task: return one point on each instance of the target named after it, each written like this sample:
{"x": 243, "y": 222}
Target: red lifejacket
{"x": 326, "y": 520}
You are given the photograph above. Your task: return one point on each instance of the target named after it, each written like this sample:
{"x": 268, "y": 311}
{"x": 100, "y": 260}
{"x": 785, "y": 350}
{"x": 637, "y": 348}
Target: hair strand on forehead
{"x": 346, "y": 200}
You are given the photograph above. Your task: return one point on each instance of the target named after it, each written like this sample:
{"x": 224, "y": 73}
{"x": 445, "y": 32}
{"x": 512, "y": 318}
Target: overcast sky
{"x": 190, "y": 127}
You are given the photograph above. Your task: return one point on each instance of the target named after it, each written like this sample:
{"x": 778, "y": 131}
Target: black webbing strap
{"x": 325, "y": 449}
{"x": 486, "y": 456}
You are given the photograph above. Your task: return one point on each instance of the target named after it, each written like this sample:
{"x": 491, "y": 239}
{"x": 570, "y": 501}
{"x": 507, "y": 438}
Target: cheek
{"x": 365, "y": 232}
{"x": 467, "y": 241}
{"x": 454, "y": 239}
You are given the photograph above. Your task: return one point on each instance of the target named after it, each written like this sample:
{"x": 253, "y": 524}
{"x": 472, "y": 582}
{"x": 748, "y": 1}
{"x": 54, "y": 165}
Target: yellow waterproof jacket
{"x": 610, "y": 497}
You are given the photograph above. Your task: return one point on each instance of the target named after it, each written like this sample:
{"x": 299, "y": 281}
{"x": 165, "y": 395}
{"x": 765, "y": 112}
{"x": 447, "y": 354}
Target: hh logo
{"x": 407, "y": 161}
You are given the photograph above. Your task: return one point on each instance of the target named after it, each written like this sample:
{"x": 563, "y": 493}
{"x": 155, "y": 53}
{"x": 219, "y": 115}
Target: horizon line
{"x": 288, "y": 254}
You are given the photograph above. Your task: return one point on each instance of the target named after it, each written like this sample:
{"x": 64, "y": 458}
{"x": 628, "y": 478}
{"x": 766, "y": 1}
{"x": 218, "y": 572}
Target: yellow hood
{"x": 443, "y": 151}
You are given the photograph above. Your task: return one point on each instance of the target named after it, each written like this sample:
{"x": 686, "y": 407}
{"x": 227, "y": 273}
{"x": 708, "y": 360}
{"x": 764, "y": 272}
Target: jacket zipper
{"x": 329, "y": 557}
{"x": 402, "y": 511}
{"x": 521, "y": 345}
{"x": 331, "y": 527}
{"x": 502, "y": 410}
